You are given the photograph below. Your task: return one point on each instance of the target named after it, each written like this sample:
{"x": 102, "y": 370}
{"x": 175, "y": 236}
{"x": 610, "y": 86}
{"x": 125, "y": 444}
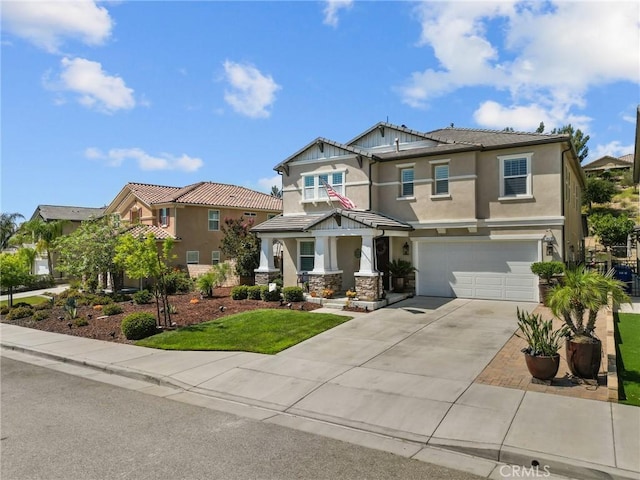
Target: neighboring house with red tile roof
{"x": 191, "y": 215}
{"x": 471, "y": 209}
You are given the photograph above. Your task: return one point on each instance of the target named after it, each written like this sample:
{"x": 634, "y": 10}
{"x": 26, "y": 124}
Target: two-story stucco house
{"x": 191, "y": 215}
{"x": 471, "y": 209}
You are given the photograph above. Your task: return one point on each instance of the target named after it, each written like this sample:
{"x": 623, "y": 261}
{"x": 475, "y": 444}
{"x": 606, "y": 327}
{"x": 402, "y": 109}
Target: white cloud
{"x": 265, "y": 184}
{"x": 527, "y": 118}
{"x": 546, "y": 56}
{"x": 252, "y": 93}
{"x": 47, "y": 23}
{"x": 94, "y": 87}
{"x": 117, "y": 156}
{"x": 331, "y": 9}
{"x": 613, "y": 149}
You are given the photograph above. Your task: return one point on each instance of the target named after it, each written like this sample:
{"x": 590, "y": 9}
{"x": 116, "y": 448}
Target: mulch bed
{"x": 108, "y": 328}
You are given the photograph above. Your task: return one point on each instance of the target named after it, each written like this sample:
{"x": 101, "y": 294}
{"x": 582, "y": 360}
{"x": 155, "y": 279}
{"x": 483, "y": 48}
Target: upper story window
{"x": 135, "y": 214}
{"x": 515, "y": 175}
{"x": 249, "y": 214}
{"x": 406, "y": 182}
{"x": 193, "y": 257}
{"x": 314, "y": 188}
{"x": 163, "y": 217}
{"x": 441, "y": 179}
{"x": 214, "y": 219}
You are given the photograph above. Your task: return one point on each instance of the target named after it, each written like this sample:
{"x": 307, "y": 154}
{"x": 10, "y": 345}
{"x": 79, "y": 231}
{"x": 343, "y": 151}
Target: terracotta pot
{"x": 583, "y": 358}
{"x": 542, "y": 367}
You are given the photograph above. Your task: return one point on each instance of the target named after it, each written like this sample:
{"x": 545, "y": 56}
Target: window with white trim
{"x": 306, "y": 255}
{"x": 193, "y": 257}
{"x": 214, "y": 220}
{"x": 314, "y": 189}
{"x": 163, "y": 217}
{"x": 441, "y": 179}
{"x": 406, "y": 182}
{"x": 215, "y": 258}
{"x": 249, "y": 214}
{"x": 515, "y": 175}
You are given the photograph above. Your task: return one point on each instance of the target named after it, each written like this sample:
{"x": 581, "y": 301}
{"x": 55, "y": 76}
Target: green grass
{"x": 628, "y": 346}
{"x": 34, "y": 300}
{"x": 260, "y": 331}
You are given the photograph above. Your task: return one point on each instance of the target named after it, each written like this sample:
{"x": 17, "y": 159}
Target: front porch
{"x": 340, "y": 301}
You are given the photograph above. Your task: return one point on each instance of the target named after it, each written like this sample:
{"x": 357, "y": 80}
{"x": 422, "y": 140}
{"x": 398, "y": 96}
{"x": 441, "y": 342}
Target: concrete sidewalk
{"x": 399, "y": 379}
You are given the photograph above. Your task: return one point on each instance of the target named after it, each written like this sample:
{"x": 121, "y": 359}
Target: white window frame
{"x": 215, "y": 257}
{"x": 438, "y": 164}
{"x": 315, "y": 191}
{"x": 300, "y": 256}
{"x": 190, "y": 253}
{"x": 412, "y": 182}
{"x": 213, "y": 220}
{"x": 250, "y": 214}
{"x": 528, "y": 183}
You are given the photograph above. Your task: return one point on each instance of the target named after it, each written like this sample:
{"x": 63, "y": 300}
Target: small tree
{"x": 8, "y": 227}
{"x": 241, "y": 244}
{"x": 214, "y": 278}
{"x": 142, "y": 258}
{"x": 43, "y": 234}
{"x": 611, "y": 230}
{"x": 578, "y": 139}
{"x": 276, "y": 192}
{"x": 598, "y": 190}
{"x": 14, "y": 271}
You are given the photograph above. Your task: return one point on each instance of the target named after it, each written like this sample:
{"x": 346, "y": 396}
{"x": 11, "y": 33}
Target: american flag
{"x": 344, "y": 201}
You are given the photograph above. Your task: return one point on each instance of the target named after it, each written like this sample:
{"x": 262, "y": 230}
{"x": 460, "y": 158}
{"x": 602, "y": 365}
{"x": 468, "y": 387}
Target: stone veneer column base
{"x": 369, "y": 287}
{"x": 321, "y": 281}
{"x": 265, "y": 278}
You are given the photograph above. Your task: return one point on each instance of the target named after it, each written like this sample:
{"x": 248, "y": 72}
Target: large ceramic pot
{"x": 542, "y": 367}
{"x": 584, "y": 358}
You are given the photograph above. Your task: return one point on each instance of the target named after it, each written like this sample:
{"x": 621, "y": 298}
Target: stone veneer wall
{"x": 200, "y": 269}
{"x": 369, "y": 288}
{"x": 319, "y": 282}
{"x": 265, "y": 278}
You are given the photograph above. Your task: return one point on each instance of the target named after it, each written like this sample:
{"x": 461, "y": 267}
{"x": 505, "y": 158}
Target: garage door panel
{"x": 496, "y": 270}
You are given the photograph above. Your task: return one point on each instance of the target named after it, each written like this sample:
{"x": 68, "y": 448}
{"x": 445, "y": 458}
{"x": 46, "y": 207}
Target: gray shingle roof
{"x": 302, "y": 223}
{"x": 490, "y": 138}
{"x": 59, "y": 212}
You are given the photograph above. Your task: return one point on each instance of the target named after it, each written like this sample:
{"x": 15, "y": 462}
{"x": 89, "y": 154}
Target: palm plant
{"x": 584, "y": 292}
{"x": 8, "y": 227}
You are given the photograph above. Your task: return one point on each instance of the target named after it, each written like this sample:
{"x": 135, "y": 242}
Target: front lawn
{"x": 33, "y": 300}
{"x": 260, "y": 331}
{"x": 628, "y": 345}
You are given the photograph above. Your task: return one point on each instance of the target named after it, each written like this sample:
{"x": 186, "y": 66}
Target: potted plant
{"x": 541, "y": 354}
{"x": 577, "y": 301}
{"x": 546, "y": 271}
{"x": 400, "y": 270}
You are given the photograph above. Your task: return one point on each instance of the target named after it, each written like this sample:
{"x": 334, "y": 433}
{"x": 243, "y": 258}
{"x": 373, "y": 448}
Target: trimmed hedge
{"x": 142, "y": 297}
{"x": 240, "y": 292}
{"x": 112, "y": 309}
{"x": 269, "y": 296}
{"x": 19, "y": 312}
{"x": 293, "y": 294}
{"x": 254, "y": 292}
{"x": 137, "y": 326}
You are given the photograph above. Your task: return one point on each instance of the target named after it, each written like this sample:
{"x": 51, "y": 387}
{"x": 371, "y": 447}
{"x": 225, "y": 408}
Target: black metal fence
{"x": 625, "y": 270}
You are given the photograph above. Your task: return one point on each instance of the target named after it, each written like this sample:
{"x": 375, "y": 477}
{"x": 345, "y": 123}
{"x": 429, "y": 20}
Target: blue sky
{"x": 98, "y": 94}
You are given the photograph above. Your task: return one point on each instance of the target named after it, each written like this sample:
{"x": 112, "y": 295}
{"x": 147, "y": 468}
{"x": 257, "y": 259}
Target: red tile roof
{"x": 142, "y": 230}
{"x": 207, "y": 193}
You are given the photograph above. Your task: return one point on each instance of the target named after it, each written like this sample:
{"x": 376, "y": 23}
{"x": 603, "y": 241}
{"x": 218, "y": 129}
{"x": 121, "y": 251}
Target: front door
{"x": 382, "y": 260}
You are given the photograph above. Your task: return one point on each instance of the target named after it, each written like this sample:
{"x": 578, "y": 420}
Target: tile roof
{"x": 142, "y": 230}
{"x": 629, "y": 158}
{"x": 59, "y": 212}
{"x": 302, "y": 223}
{"x": 207, "y": 193}
{"x": 489, "y": 138}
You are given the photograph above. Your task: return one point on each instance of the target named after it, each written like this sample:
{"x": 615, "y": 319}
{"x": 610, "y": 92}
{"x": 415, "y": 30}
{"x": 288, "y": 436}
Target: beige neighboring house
{"x": 191, "y": 215}
{"x": 608, "y": 163}
{"x": 470, "y": 209}
{"x": 72, "y": 218}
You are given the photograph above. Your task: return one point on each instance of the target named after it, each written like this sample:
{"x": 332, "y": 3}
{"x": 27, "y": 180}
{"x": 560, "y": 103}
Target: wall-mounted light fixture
{"x": 405, "y": 248}
{"x": 549, "y": 240}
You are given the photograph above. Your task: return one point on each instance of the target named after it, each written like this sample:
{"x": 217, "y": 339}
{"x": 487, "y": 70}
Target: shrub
{"x": 178, "y": 282}
{"x": 206, "y": 283}
{"x": 39, "y": 282}
{"x": 80, "y": 322}
{"x": 240, "y": 292}
{"x": 4, "y": 310}
{"x": 101, "y": 300}
{"x": 40, "y": 315}
{"x": 143, "y": 297}
{"x": 254, "y": 292}
{"x": 41, "y": 306}
{"x": 19, "y": 312}
{"x": 112, "y": 309}
{"x": 293, "y": 294}
{"x": 137, "y": 326}
{"x": 269, "y": 296}
{"x": 22, "y": 304}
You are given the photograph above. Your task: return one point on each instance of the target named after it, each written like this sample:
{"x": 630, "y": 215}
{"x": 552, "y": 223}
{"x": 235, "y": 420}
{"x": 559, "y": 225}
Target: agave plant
{"x": 584, "y": 293}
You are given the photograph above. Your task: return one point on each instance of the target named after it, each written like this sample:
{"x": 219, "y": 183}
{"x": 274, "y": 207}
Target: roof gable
{"x": 322, "y": 149}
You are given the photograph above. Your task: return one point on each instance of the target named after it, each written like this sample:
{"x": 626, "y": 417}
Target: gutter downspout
{"x": 562, "y": 209}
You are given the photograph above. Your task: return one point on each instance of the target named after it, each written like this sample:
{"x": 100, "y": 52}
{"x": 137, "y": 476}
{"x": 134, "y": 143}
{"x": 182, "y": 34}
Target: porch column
{"x": 266, "y": 255}
{"x": 367, "y": 257}
{"x": 322, "y": 260}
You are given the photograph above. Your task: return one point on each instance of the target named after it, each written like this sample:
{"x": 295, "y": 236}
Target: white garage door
{"x": 491, "y": 269}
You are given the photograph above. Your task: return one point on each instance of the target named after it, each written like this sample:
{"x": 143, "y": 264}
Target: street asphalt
{"x": 398, "y": 379}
